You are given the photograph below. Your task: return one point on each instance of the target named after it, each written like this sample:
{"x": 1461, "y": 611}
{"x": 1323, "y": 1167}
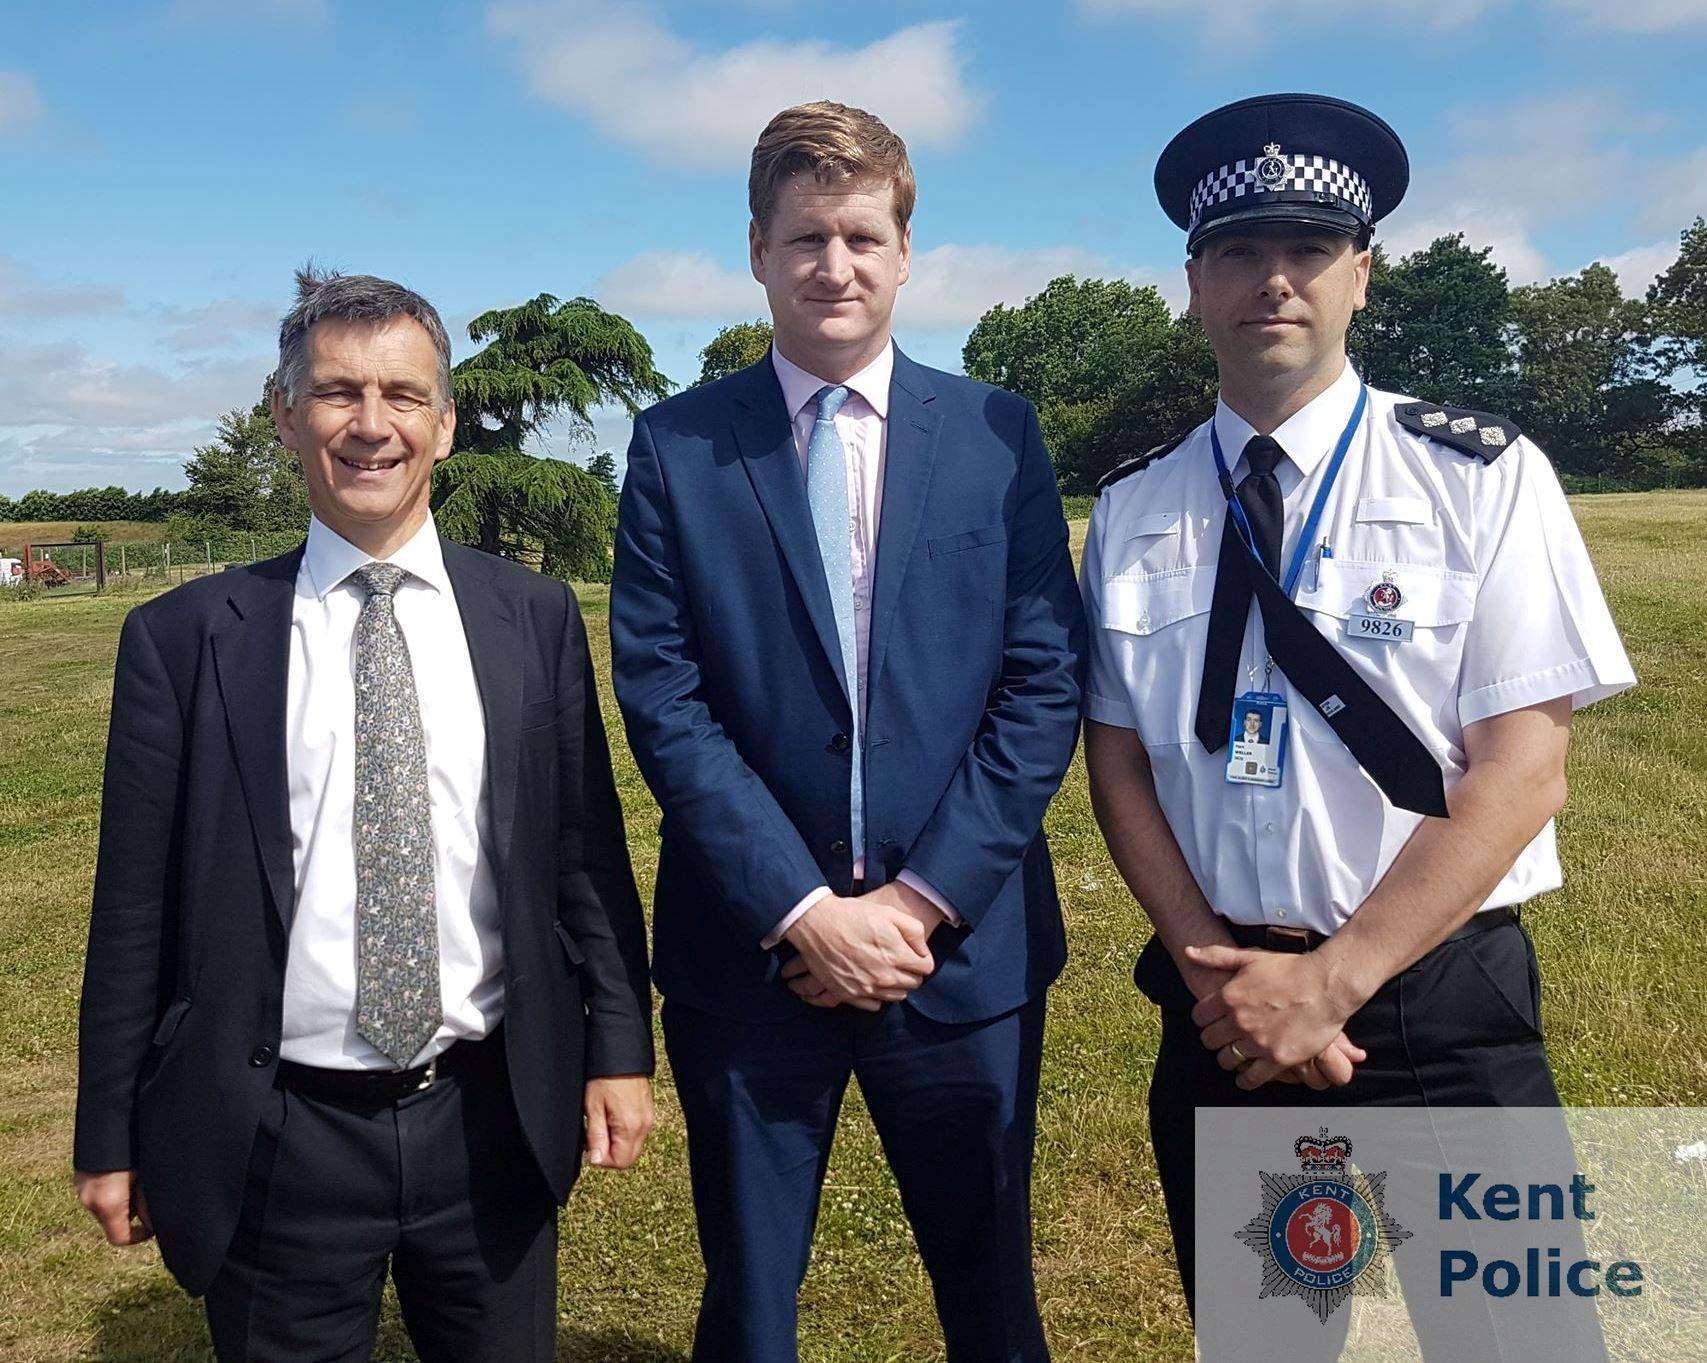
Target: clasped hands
{"x": 864, "y": 951}
{"x": 1274, "y": 1015}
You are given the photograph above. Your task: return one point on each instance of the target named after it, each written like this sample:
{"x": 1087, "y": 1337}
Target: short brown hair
{"x": 834, "y": 142}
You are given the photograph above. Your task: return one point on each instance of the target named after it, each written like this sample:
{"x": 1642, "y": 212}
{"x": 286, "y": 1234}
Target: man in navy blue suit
{"x": 848, "y": 649}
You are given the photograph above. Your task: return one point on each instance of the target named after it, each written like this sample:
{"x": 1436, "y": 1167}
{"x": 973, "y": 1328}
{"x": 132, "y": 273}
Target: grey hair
{"x": 328, "y": 295}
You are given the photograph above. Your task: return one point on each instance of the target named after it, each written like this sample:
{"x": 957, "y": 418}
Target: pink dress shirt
{"x": 863, "y": 425}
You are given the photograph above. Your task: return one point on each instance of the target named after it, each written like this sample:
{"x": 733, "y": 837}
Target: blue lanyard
{"x": 1308, "y": 533}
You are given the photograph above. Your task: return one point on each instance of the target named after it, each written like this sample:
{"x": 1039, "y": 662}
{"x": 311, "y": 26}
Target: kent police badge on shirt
{"x": 1256, "y": 750}
{"x": 1376, "y": 620}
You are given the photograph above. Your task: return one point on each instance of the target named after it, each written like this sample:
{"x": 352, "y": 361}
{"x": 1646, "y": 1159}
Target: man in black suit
{"x": 365, "y": 944}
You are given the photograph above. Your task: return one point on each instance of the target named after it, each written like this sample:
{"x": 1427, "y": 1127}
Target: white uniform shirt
{"x": 863, "y": 426}
{"x": 320, "y": 968}
{"x": 1493, "y": 575}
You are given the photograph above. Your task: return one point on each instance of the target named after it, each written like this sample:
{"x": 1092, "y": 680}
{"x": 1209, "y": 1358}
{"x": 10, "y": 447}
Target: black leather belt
{"x": 1272, "y": 938}
{"x": 378, "y": 1088}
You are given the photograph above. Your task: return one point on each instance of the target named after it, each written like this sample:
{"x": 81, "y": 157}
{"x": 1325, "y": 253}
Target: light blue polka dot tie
{"x": 827, "y": 494}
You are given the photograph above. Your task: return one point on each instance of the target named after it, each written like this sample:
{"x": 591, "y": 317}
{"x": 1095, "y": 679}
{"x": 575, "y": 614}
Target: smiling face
{"x": 367, "y": 427}
{"x": 1276, "y": 301}
{"x": 831, "y": 258}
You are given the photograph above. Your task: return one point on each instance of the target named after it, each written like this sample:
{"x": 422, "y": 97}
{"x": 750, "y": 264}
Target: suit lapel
{"x": 251, "y": 658}
{"x": 766, "y": 438}
{"x": 909, "y": 456}
{"x": 489, "y": 622}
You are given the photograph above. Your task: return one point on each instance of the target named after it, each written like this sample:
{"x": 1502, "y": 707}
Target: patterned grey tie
{"x": 398, "y": 1006}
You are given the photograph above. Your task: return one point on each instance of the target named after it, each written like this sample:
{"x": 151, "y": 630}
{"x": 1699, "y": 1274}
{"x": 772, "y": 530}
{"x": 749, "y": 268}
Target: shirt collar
{"x": 330, "y": 558}
{"x": 1308, "y": 436}
{"x": 799, "y": 386}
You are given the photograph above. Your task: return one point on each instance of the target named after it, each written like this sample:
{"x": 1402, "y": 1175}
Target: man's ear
{"x": 284, "y": 420}
{"x": 756, "y": 250}
{"x": 1360, "y": 274}
{"x": 447, "y": 433}
{"x": 1191, "y": 267}
{"x": 906, "y": 254}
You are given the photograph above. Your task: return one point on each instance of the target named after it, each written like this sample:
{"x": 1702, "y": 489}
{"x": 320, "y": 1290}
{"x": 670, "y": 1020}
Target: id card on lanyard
{"x": 1256, "y": 745}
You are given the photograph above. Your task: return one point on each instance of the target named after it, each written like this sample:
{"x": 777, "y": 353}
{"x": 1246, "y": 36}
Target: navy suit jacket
{"x": 729, "y": 672}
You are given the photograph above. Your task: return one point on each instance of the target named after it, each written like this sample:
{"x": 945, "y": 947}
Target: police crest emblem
{"x": 1385, "y": 596}
{"x": 1271, "y": 167}
{"x": 1324, "y": 1232}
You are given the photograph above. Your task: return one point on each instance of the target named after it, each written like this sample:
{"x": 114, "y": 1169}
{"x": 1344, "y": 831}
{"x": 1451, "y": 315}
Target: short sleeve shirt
{"x": 1492, "y": 575}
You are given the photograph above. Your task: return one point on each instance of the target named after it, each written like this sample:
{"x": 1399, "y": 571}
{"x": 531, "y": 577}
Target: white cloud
{"x": 1638, "y": 16}
{"x": 20, "y": 101}
{"x": 224, "y": 324}
{"x": 1240, "y": 22}
{"x": 1676, "y": 192}
{"x": 1505, "y": 232}
{"x": 619, "y": 66}
{"x": 680, "y": 284}
{"x": 1641, "y": 265}
{"x": 23, "y": 295}
{"x": 950, "y": 286}
{"x": 64, "y": 407}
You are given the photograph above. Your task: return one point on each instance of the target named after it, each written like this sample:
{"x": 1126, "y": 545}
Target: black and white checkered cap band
{"x": 1304, "y": 174}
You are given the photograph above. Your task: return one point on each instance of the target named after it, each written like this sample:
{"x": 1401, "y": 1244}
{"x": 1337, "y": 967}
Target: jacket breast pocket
{"x": 1154, "y": 628}
{"x": 967, "y": 539}
{"x": 536, "y": 714}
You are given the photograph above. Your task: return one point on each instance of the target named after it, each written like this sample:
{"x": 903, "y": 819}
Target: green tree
{"x": 1436, "y": 326}
{"x": 1677, "y": 316}
{"x": 544, "y": 361}
{"x": 1169, "y": 388}
{"x": 1074, "y": 349}
{"x": 733, "y": 349}
{"x": 603, "y": 467}
{"x": 244, "y": 478}
{"x": 1591, "y": 391}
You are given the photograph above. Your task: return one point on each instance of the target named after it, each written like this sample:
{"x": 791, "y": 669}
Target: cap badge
{"x": 1384, "y": 596}
{"x": 1271, "y": 168}
{"x": 1493, "y": 435}
{"x": 1434, "y": 418}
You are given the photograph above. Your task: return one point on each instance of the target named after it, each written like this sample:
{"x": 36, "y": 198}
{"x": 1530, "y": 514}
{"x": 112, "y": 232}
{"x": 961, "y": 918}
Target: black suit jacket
{"x": 194, "y": 889}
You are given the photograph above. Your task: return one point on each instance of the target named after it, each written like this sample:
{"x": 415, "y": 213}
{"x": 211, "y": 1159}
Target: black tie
{"x": 1383, "y": 745}
{"x": 1259, "y": 494}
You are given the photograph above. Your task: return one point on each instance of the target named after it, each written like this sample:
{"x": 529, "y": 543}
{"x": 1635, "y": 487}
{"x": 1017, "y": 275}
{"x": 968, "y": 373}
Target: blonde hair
{"x": 835, "y": 143}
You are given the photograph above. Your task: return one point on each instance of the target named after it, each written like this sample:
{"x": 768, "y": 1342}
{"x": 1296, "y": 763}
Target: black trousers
{"x": 1460, "y": 1028}
{"x": 439, "y": 1188}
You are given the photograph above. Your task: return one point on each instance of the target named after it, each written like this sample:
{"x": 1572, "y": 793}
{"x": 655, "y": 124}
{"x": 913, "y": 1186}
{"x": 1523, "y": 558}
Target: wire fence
{"x": 136, "y": 564}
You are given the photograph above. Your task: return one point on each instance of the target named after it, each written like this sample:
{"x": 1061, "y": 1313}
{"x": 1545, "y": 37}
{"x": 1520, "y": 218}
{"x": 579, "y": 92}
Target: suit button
{"x": 840, "y": 743}
{"x": 839, "y": 847}
{"x": 261, "y": 1055}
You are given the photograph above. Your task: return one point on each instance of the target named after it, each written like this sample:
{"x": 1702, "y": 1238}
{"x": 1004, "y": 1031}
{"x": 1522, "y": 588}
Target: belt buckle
{"x": 429, "y": 1077}
{"x": 1292, "y": 939}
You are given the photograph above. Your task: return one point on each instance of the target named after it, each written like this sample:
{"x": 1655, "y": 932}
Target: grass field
{"x": 1621, "y": 947}
{"x": 14, "y": 535}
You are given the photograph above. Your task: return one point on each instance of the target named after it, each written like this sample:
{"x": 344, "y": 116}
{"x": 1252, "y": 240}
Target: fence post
{"x": 124, "y": 567}
{"x": 251, "y": 548}
{"x": 207, "y": 548}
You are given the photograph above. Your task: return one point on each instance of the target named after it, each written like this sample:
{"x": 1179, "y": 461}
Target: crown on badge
{"x": 1271, "y": 149}
{"x": 1322, "y": 1155}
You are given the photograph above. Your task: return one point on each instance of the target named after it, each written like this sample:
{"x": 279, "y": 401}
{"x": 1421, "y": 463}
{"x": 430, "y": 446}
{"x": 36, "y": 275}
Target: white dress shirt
{"x": 320, "y": 969}
{"x": 1493, "y": 576}
{"x": 863, "y": 425}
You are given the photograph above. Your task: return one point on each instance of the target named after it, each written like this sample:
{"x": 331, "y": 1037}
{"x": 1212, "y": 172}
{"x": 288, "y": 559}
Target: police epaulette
{"x": 1131, "y": 466}
{"x": 1479, "y": 433}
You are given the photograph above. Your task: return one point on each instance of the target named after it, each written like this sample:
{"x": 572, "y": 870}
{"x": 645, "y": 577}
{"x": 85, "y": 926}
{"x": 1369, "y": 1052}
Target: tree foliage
{"x": 544, "y": 361}
{"x": 734, "y": 348}
{"x": 1436, "y": 326}
{"x": 244, "y": 478}
{"x": 1592, "y": 389}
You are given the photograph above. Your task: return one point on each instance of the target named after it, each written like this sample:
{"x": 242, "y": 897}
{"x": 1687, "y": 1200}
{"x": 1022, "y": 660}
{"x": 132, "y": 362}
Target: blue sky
{"x": 165, "y": 164}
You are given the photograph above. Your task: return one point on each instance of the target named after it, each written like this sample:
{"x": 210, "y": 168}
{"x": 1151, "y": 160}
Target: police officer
{"x": 1337, "y": 639}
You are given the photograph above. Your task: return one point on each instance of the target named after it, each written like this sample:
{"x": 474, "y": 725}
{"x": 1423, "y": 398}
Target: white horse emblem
{"x": 1323, "y": 1232}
